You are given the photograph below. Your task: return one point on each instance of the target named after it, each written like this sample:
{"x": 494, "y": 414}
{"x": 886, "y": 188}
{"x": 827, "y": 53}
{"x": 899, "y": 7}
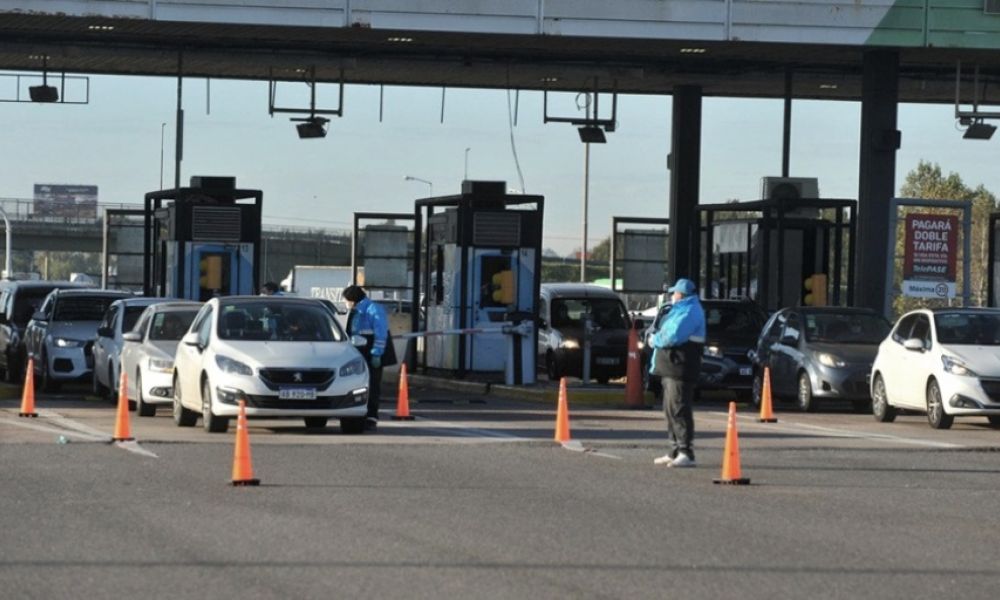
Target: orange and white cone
{"x": 731, "y": 472}
{"x": 403, "y": 400}
{"x": 123, "y": 432}
{"x": 28, "y": 393}
{"x": 562, "y": 414}
{"x": 242, "y": 467}
{"x": 766, "y": 411}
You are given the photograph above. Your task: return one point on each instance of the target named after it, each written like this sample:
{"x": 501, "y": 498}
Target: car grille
{"x": 317, "y": 378}
{"x": 992, "y": 388}
{"x": 324, "y": 403}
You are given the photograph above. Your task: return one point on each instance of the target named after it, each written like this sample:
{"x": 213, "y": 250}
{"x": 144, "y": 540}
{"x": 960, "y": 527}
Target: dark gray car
{"x": 819, "y": 353}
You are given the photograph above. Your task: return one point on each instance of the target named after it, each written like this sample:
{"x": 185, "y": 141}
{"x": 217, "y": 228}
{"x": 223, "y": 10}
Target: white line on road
{"x": 73, "y": 429}
{"x": 46, "y": 429}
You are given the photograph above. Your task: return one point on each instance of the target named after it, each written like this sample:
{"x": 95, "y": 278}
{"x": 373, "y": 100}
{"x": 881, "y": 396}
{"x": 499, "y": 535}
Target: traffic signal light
{"x": 210, "y": 272}
{"x": 815, "y": 286}
{"x": 503, "y": 287}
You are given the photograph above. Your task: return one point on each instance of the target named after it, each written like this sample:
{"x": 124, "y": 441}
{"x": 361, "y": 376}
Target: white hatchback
{"x": 944, "y": 362}
{"x": 283, "y": 356}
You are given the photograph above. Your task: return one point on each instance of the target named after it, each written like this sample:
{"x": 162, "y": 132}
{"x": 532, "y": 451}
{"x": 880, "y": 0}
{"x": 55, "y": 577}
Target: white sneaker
{"x": 682, "y": 461}
{"x": 666, "y": 459}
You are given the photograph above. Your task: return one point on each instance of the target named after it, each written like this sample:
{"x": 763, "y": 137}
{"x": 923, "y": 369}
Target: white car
{"x": 944, "y": 362}
{"x": 148, "y": 353}
{"x": 284, "y": 356}
{"x": 118, "y": 320}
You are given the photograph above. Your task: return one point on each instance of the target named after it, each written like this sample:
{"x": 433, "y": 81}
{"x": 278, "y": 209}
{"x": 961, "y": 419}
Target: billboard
{"x": 65, "y": 201}
{"x": 930, "y": 255}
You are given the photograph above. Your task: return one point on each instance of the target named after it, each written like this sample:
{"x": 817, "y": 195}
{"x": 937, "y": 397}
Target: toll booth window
{"x": 497, "y": 282}
{"x": 213, "y": 275}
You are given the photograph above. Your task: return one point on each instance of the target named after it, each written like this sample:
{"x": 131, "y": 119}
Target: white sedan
{"x": 148, "y": 353}
{"x": 944, "y": 362}
{"x": 283, "y": 356}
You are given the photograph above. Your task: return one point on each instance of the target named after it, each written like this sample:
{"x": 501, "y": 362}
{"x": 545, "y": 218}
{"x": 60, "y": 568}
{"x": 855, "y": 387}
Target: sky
{"x": 114, "y": 142}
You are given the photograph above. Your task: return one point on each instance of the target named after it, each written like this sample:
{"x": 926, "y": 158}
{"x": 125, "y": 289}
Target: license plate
{"x": 746, "y": 371}
{"x": 297, "y": 393}
{"x": 607, "y": 361}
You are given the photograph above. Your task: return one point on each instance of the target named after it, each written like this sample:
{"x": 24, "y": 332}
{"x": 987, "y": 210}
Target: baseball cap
{"x": 684, "y": 286}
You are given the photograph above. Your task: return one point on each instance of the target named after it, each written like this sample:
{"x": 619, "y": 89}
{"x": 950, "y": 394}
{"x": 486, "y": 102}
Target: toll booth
{"x": 779, "y": 252}
{"x": 202, "y": 241}
{"x": 480, "y": 267}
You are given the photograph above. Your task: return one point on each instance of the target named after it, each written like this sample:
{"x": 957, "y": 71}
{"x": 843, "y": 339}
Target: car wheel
{"x": 805, "y": 395}
{"x": 315, "y": 422}
{"x": 143, "y": 408}
{"x": 183, "y": 417}
{"x": 994, "y": 420}
{"x": 757, "y": 392}
{"x": 881, "y": 409}
{"x": 552, "y": 367}
{"x": 352, "y": 425}
{"x": 47, "y": 383}
{"x": 936, "y": 416}
{"x": 211, "y": 422}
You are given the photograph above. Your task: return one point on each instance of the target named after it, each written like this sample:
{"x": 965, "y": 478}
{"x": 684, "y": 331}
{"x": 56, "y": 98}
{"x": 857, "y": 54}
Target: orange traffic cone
{"x": 28, "y": 393}
{"x": 562, "y": 414}
{"x": 403, "y": 400}
{"x": 633, "y": 381}
{"x": 766, "y": 414}
{"x": 731, "y": 473}
{"x": 242, "y": 469}
{"x": 122, "y": 431}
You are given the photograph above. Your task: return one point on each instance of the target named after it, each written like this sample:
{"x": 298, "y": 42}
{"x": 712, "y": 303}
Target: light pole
{"x": 7, "y": 271}
{"x": 466, "y": 178}
{"x": 429, "y": 184}
{"x": 586, "y": 204}
{"x": 163, "y": 127}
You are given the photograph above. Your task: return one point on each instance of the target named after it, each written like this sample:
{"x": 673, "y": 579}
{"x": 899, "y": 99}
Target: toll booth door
{"x": 213, "y": 270}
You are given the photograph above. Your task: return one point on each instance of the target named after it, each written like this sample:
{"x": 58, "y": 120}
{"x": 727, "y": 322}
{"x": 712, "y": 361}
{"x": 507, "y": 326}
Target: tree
{"x": 927, "y": 181}
{"x": 601, "y": 253}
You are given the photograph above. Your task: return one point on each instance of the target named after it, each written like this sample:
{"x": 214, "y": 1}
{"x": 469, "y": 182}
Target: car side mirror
{"x": 105, "y": 332}
{"x": 542, "y": 323}
{"x": 358, "y": 341}
{"x": 132, "y": 336}
{"x": 39, "y": 316}
{"x": 914, "y": 344}
{"x": 191, "y": 339}
{"x": 789, "y": 340}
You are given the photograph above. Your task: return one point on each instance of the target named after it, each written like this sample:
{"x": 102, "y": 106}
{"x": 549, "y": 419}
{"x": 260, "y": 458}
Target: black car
{"x": 19, "y": 299}
{"x": 819, "y": 353}
{"x": 732, "y": 328}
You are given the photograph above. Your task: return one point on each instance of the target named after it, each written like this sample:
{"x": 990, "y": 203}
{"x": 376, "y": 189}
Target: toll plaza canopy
{"x": 738, "y": 48}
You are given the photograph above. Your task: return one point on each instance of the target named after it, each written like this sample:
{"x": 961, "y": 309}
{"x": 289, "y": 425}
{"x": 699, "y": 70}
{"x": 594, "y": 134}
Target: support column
{"x": 877, "y": 174}
{"x": 685, "y": 170}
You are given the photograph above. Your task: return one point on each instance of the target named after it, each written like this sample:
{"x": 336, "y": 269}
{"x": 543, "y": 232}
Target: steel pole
{"x": 586, "y": 203}
{"x": 7, "y": 271}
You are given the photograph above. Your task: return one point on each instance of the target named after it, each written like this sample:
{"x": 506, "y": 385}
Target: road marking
{"x": 576, "y": 446}
{"x": 46, "y": 429}
{"x": 792, "y": 426}
{"x": 445, "y": 427}
{"x": 74, "y": 429}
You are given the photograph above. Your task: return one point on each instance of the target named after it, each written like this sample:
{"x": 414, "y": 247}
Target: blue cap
{"x": 684, "y": 286}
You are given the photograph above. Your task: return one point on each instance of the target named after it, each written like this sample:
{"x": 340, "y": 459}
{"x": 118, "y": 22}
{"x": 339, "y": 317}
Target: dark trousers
{"x": 678, "y": 397}
{"x": 374, "y": 391}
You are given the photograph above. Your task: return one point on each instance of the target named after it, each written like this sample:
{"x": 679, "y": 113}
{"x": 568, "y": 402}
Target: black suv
{"x": 18, "y": 302}
{"x": 731, "y": 328}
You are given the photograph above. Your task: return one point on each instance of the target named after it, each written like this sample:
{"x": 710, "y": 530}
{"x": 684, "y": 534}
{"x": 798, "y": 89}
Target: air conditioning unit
{"x": 992, "y": 7}
{"x": 792, "y": 188}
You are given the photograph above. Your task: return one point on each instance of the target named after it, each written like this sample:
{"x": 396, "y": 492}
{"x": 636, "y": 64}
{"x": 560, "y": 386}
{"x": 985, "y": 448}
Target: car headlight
{"x": 570, "y": 345}
{"x": 955, "y": 367}
{"x": 355, "y": 367}
{"x": 67, "y": 343}
{"x": 161, "y": 365}
{"x": 231, "y": 366}
{"x": 829, "y": 360}
{"x": 713, "y": 351}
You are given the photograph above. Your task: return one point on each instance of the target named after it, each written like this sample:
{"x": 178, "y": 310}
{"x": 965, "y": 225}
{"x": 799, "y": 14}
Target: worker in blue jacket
{"x": 677, "y": 351}
{"x": 368, "y": 319}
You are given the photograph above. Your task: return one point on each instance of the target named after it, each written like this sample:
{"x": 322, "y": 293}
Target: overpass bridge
{"x": 81, "y": 229}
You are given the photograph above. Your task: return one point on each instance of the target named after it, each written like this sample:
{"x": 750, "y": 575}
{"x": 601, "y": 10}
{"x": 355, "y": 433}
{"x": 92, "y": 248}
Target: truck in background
{"x": 314, "y": 281}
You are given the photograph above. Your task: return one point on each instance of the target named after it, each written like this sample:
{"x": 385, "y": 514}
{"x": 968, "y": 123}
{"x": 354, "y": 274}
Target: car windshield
{"x": 732, "y": 323}
{"x": 81, "y": 308}
{"x": 132, "y": 314}
{"x": 26, "y": 302}
{"x": 278, "y": 320}
{"x": 968, "y": 329}
{"x": 607, "y": 313}
{"x": 845, "y": 328}
{"x": 171, "y": 325}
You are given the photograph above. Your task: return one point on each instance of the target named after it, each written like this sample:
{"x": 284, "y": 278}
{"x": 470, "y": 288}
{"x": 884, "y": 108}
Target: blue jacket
{"x": 683, "y": 325}
{"x": 369, "y": 320}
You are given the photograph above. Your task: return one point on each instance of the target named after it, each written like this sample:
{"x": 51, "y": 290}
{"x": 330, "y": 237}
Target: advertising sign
{"x": 65, "y": 201}
{"x": 930, "y": 255}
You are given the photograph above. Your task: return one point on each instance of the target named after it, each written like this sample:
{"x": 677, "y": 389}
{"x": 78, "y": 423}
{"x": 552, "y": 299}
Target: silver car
{"x": 120, "y": 318}
{"x": 60, "y": 335}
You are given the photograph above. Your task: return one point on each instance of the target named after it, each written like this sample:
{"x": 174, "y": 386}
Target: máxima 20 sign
{"x": 930, "y": 256}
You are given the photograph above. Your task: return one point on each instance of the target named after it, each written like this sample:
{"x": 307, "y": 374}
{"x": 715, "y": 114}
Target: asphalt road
{"x": 474, "y": 500}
